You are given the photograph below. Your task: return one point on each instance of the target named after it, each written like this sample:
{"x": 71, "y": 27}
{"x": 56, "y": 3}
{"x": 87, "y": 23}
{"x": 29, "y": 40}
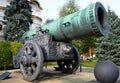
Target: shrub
{"x": 5, "y": 54}
{"x": 15, "y": 46}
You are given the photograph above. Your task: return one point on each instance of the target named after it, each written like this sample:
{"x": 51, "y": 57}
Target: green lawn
{"x": 88, "y": 63}
{"x": 50, "y": 63}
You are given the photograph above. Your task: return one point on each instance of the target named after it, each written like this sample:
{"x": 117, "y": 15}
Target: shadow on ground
{"x": 58, "y": 77}
{"x": 51, "y": 75}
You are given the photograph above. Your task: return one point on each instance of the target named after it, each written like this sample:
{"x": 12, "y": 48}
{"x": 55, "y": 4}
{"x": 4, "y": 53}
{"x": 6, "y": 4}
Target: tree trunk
{"x": 4, "y": 66}
{"x": 90, "y": 52}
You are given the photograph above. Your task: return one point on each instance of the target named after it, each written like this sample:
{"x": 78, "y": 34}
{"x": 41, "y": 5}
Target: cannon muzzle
{"x": 91, "y": 21}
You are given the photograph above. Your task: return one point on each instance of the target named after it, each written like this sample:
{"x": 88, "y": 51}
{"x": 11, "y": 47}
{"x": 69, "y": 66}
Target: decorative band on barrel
{"x": 92, "y": 20}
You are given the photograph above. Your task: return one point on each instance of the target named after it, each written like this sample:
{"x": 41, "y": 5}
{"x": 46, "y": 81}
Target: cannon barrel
{"x": 91, "y": 21}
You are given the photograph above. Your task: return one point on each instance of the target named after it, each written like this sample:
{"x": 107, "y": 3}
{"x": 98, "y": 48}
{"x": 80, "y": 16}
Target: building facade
{"x": 36, "y": 12}
{"x": 3, "y": 4}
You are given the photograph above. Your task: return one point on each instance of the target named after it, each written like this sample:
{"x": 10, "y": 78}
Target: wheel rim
{"x": 31, "y": 62}
{"x": 71, "y": 65}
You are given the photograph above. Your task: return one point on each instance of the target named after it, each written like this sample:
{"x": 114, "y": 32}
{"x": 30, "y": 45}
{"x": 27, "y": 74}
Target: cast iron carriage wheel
{"x": 31, "y": 62}
{"x": 71, "y": 65}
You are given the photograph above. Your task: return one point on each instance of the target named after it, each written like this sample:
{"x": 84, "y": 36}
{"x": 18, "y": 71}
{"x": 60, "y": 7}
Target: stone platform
{"x": 51, "y": 76}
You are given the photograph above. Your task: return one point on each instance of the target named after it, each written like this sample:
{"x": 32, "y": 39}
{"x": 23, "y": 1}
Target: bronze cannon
{"x": 53, "y": 41}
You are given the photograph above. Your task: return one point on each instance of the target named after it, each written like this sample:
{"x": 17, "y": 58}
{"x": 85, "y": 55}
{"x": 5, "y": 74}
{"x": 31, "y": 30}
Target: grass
{"x": 91, "y": 63}
{"x": 50, "y": 64}
{"x": 88, "y": 63}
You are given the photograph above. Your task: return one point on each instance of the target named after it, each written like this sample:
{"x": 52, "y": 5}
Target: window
{"x": 0, "y": 27}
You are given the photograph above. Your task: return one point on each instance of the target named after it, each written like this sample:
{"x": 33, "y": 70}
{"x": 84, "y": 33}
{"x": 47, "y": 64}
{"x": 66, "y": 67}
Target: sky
{"x": 51, "y": 7}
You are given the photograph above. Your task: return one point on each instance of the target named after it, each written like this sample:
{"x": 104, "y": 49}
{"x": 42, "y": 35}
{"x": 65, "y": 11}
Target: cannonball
{"x": 106, "y": 72}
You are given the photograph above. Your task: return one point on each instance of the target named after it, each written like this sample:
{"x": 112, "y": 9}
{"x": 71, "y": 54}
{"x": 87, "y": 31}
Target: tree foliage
{"x": 68, "y": 8}
{"x": 17, "y": 19}
{"x": 14, "y": 47}
{"x": 7, "y": 50}
{"x": 108, "y": 47}
{"x": 87, "y": 43}
{"x": 5, "y": 54}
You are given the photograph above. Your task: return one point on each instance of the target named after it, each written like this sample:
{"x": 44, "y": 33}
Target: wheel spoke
{"x": 27, "y": 51}
{"x": 34, "y": 60}
{"x": 33, "y": 53}
{"x": 30, "y": 45}
{"x": 25, "y": 69}
{"x": 67, "y": 65}
{"x": 33, "y": 67}
{"x": 30, "y": 72}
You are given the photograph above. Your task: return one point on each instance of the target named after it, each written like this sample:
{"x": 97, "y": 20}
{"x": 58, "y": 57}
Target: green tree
{"x": 108, "y": 47}
{"x": 17, "y": 19}
{"x": 14, "y": 47}
{"x": 5, "y": 54}
{"x": 68, "y": 8}
{"x": 87, "y": 44}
